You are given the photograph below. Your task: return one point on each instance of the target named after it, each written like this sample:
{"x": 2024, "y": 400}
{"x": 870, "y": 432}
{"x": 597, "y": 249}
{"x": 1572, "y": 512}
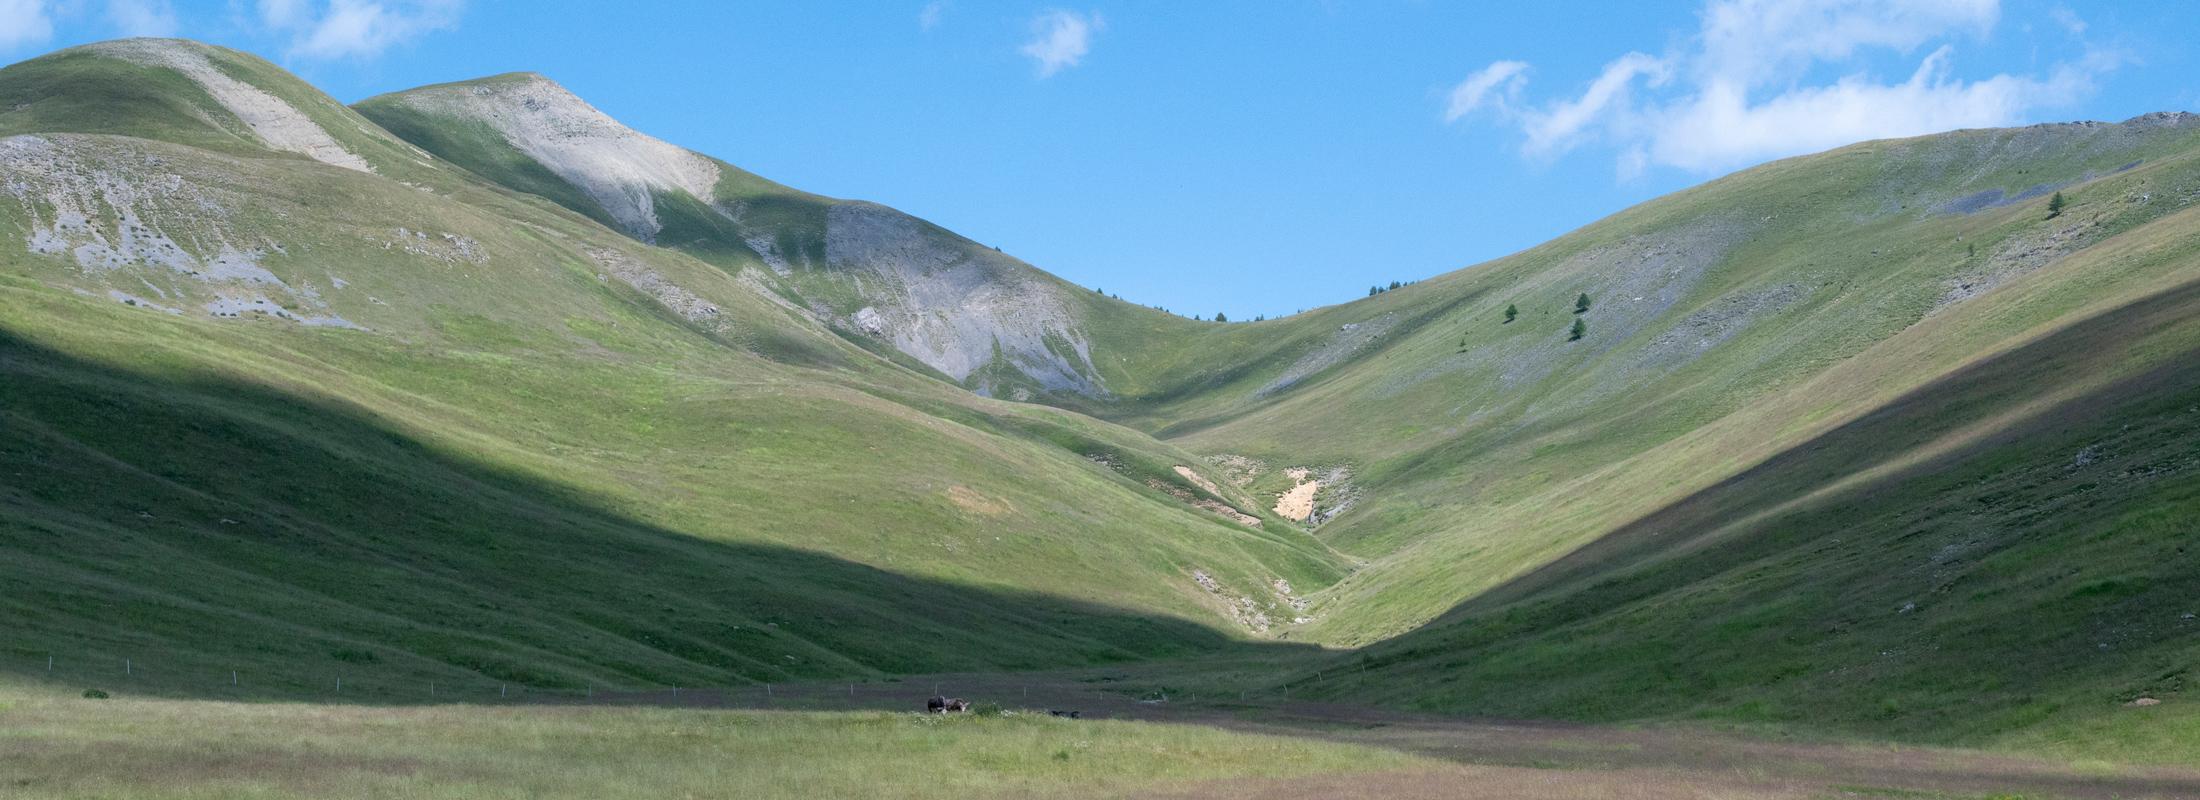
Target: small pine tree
{"x": 1581, "y": 328}
{"x": 1970, "y": 250}
{"x": 1393, "y": 285}
{"x": 2055, "y": 206}
{"x": 1581, "y": 304}
{"x": 1221, "y": 317}
{"x": 1511, "y": 311}
{"x": 1374, "y": 290}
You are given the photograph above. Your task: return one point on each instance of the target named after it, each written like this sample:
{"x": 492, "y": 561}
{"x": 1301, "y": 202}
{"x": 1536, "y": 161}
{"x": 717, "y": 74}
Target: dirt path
{"x": 1499, "y": 758}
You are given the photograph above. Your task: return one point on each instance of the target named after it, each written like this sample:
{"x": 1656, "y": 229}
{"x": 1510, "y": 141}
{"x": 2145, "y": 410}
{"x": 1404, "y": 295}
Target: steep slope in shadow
{"x": 200, "y": 525}
{"x": 1997, "y": 550}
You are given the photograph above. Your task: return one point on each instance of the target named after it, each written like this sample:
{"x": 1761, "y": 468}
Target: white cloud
{"x": 1502, "y": 76}
{"x": 284, "y": 14}
{"x": 1060, "y": 39}
{"x": 2068, "y": 19}
{"x": 1740, "y": 90}
{"x": 142, "y": 17}
{"x": 24, "y": 22}
{"x": 356, "y": 28}
{"x": 929, "y": 18}
{"x": 1558, "y": 126}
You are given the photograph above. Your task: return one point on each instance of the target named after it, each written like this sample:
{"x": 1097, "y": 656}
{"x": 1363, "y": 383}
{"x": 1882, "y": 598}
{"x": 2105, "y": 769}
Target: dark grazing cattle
{"x": 943, "y": 705}
{"x": 1061, "y": 713}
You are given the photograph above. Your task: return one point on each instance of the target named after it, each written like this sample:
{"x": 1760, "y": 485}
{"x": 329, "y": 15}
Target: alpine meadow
{"x": 466, "y": 442}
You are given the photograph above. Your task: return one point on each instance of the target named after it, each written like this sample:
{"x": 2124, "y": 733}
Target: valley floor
{"x": 841, "y": 740}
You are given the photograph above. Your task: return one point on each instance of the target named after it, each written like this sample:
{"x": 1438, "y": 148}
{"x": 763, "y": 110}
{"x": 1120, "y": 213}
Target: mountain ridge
{"x": 1859, "y": 375}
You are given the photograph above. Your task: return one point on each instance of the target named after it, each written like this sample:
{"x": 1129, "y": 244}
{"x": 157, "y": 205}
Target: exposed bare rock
{"x": 954, "y": 306}
{"x": 618, "y": 167}
{"x": 1298, "y": 503}
{"x": 1210, "y": 505}
{"x": 2019, "y": 256}
{"x": 650, "y": 282}
{"x": 277, "y": 123}
{"x": 1348, "y": 340}
{"x": 1198, "y": 480}
{"x": 120, "y": 213}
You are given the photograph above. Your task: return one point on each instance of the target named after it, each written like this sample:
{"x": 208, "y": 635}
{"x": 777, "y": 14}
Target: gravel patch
{"x": 620, "y": 168}
{"x": 953, "y": 305}
{"x": 277, "y": 123}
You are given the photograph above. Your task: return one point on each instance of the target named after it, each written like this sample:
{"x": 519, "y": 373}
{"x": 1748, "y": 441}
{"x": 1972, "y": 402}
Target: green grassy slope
{"x": 995, "y": 324}
{"x": 1782, "y": 430}
{"x": 542, "y": 453}
{"x": 1864, "y": 439}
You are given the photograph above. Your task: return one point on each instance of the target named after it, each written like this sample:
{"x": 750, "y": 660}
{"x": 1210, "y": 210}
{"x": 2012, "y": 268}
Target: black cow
{"x": 943, "y": 705}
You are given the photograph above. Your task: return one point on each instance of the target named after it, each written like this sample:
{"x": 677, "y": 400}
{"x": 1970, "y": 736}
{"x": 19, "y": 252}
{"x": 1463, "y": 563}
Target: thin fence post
{"x": 591, "y": 690}
{"x": 232, "y": 677}
{"x": 126, "y": 667}
{"x": 49, "y": 662}
{"x": 431, "y": 688}
{"x": 501, "y": 690}
{"x": 339, "y": 683}
{"x": 767, "y": 690}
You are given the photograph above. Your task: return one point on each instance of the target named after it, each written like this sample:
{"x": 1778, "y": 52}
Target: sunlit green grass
{"x": 58, "y": 746}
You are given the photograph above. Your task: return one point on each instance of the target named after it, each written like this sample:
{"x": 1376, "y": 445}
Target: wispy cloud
{"x": 1060, "y": 39}
{"x": 1737, "y": 92}
{"x": 356, "y": 28}
{"x": 142, "y": 17}
{"x": 24, "y": 22}
{"x": 929, "y": 18}
{"x": 1503, "y": 77}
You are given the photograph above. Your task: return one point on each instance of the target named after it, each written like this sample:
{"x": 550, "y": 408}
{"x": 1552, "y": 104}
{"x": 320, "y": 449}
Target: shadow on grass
{"x": 195, "y": 527}
{"x": 1984, "y": 588}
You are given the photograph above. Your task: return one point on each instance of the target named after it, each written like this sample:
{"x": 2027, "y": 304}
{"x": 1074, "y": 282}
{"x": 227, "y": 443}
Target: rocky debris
{"x": 449, "y": 248}
{"x": 277, "y": 123}
{"x": 1244, "y": 609}
{"x": 1348, "y": 340}
{"x": 258, "y": 305}
{"x": 1205, "y": 581}
{"x": 766, "y": 247}
{"x": 1298, "y": 604}
{"x": 868, "y": 320}
{"x": 1198, "y": 480}
{"x": 1298, "y": 503}
{"x": 128, "y": 299}
{"x": 2018, "y": 256}
{"x": 1719, "y": 321}
{"x": 1237, "y": 470}
{"x": 117, "y": 210}
{"x": 621, "y": 169}
{"x": 1216, "y": 506}
{"x": 1303, "y": 502}
{"x": 634, "y": 273}
{"x": 955, "y": 306}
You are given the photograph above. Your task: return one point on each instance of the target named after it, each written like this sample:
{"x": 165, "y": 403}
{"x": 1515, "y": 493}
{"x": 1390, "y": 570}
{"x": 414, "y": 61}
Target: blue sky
{"x": 1250, "y": 158}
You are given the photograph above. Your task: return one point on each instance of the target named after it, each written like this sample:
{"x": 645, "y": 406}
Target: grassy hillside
{"x": 283, "y": 416}
{"x": 1866, "y": 440}
{"x": 1881, "y": 454}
